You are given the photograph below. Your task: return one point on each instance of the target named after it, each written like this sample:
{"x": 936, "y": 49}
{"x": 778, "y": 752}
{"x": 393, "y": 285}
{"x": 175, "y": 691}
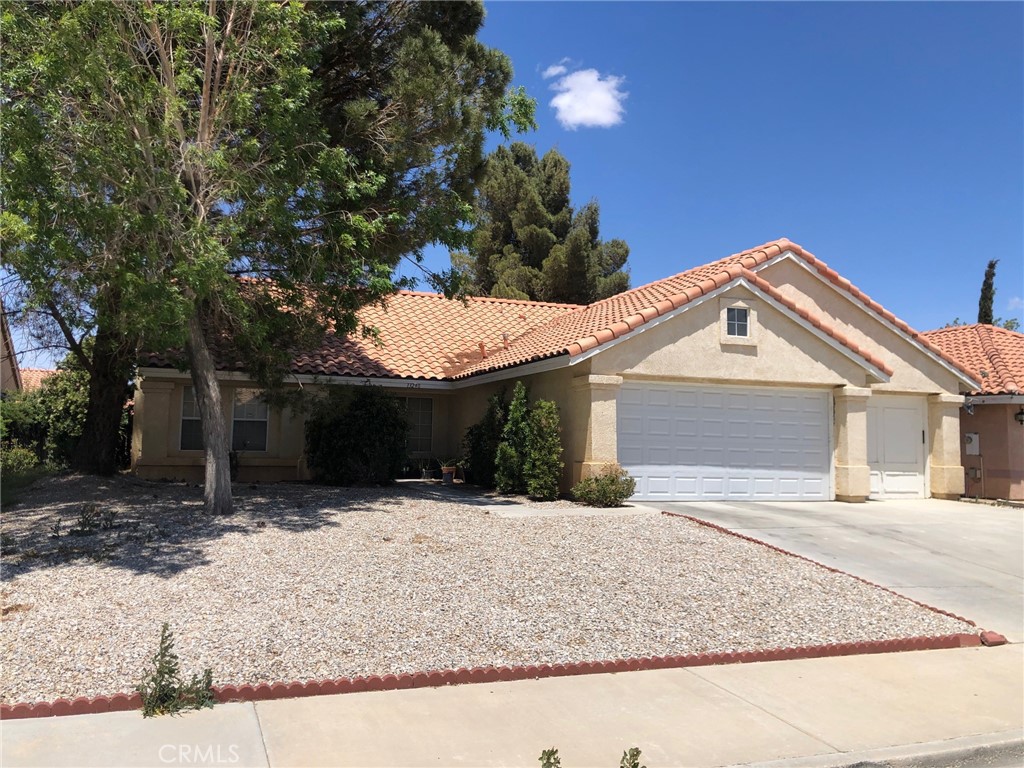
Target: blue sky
{"x": 886, "y": 138}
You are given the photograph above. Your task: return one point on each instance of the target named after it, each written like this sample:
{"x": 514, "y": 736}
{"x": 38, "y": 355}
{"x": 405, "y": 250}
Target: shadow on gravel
{"x": 160, "y": 527}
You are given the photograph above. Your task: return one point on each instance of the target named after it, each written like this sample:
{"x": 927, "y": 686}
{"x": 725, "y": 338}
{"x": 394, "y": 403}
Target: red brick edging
{"x": 265, "y": 691}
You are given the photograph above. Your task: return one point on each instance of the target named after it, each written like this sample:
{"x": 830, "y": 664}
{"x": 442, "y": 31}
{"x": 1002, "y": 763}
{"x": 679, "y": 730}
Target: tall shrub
{"x": 356, "y": 437}
{"x": 480, "y": 444}
{"x": 543, "y": 467}
{"x": 515, "y": 438}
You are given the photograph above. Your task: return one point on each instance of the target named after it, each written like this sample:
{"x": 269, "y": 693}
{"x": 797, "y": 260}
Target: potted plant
{"x": 448, "y": 469}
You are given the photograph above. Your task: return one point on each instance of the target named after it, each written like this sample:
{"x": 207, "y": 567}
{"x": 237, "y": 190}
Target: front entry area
{"x": 686, "y": 442}
{"x": 896, "y": 446}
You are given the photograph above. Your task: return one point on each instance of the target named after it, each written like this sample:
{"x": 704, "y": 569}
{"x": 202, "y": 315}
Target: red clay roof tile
{"x": 33, "y": 378}
{"x": 994, "y": 355}
{"x": 425, "y": 336}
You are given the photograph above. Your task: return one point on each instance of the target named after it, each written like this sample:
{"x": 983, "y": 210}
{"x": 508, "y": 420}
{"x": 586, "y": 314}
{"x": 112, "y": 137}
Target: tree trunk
{"x": 217, "y": 487}
{"x": 98, "y": 448}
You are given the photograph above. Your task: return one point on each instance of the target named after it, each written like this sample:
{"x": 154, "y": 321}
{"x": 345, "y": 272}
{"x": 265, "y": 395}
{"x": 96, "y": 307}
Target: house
{"x": 10, "y": 373}
{"x": 763, "y": 375}
{"x": 992, "y": 422}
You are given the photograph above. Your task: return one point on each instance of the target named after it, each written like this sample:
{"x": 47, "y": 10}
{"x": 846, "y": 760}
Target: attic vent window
{"x": 737, "y": 322}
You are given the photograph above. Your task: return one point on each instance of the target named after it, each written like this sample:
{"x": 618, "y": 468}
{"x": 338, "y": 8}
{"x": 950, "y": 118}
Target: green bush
{"x": 16, "y": 460}
{"x": 608, "y": 489}
{"x": 480, "y": 444}
{"x": 356, "y": 437}
{"x": 509, "y": 476}
{"x": 544, "y": 452}
{"x": 164, "y": 692}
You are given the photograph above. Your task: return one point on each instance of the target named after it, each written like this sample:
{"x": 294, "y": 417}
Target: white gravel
{"x": 308, "y": 583}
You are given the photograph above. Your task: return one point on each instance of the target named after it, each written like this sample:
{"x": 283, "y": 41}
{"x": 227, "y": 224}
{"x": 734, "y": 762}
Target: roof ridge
{"x": 491, "y": 299}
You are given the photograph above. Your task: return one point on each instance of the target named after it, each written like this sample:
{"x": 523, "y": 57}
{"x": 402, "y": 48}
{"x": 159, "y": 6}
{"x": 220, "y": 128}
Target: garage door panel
{"x": 726, "y": 443}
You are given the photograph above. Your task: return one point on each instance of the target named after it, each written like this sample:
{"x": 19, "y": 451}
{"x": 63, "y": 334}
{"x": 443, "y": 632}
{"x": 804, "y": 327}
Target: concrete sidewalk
{"x": 815, "y": 712}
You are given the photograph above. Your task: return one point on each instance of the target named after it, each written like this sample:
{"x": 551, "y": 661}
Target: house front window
{"x": 737, "y": 322}
{"x": 191, "y": 427}
{"x": 249, "y": 422}
{"x": 420, "y": 413}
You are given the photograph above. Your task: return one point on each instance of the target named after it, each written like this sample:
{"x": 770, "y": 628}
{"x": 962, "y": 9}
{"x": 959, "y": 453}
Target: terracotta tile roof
{"x": 588, "y": 327}
{"x": 422, "y": 336}
{"x": 425, "y": 336}
{"x": 994, "y": 355}
{"x": 33, "y": 378}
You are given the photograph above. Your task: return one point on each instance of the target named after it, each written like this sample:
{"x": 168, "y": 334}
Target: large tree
{"x": 529, "y": 243}
{"x": 155, "y": 153}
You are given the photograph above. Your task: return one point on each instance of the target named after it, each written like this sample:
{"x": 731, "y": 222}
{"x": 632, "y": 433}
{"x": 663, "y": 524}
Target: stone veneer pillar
{"x": 594, "y": 400}
{"x": 853, "y": 477}
{"x": 945, "y": 472}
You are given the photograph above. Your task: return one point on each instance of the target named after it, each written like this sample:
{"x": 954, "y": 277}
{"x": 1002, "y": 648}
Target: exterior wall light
{"x": 1019, "y": 416}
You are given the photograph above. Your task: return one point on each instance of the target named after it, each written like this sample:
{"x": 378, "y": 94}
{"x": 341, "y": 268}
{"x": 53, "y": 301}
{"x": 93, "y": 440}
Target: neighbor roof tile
{"x": 994, "y": 355}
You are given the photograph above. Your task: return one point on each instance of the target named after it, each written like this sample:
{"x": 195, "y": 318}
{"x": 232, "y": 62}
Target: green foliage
{"x": 543, "y": 468}
{"x": 356, "y": 437}
{"x": 480, "y": 444}
{"x": 513, "y": 450}
{"x": 630, "y": 759}
{"x": 988, "y": 293}
{"x": 164, "y": 691}
{"x": 16, "y": 460}
{"x": 530, "y": 244}
{"x": 608, "y": 489}
{"x": 189, "y": 143}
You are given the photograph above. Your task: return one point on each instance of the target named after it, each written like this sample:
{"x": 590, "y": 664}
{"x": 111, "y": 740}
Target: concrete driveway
{"x": 964, "y": 558}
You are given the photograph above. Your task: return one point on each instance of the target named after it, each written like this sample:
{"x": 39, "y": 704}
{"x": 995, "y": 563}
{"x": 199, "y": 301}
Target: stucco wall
{"x": 690, "y": 347}
{"x": 913, "y": 370}
{"x": 998, "y": 471}
{"x": 156, "y": 436}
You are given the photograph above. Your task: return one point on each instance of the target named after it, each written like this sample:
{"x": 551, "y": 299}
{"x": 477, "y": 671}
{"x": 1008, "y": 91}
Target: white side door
{"x": 896, "y": 446}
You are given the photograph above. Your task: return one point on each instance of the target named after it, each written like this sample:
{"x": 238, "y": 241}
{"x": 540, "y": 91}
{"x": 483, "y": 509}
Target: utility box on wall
{"x": 972, "y": 446}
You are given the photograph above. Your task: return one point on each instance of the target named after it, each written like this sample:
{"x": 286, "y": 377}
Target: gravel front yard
{"x": 307, "y": 583}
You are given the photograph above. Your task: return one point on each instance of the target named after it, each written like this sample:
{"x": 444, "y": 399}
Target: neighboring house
{"x": 33, "y": 378}
{"x": 10, "y": 374}
{"x": 992, "y": 422}
{"x": 764, "y": 375}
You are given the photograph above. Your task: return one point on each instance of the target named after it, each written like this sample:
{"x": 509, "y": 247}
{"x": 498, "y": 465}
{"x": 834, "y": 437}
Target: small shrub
{"x": 630, "y": 759}
{"x": 549, "y": 759}
{"x": 509, "y": 476}
{"x": 16, "y": 459}
{"x": 357, "y": 437}
{"x": 480, "y": 444}
{"x": 608, "y": 489}
{"x": 164, "y": 692}
{"x": 543, "y": 468}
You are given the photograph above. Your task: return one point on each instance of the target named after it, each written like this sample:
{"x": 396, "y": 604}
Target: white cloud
{"x": 555, "y": 70}
{"x": 588, "y": 99}
{"x": 1015, "y": 303}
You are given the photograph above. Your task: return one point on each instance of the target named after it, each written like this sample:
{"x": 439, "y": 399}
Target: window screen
{"x": 420, "y": 413}
{"x": 249, "y": 424}
{"x": 736, "y": 321}
{"x": 191, "y": 429}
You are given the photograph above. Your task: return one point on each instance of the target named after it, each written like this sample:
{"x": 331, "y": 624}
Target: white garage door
{"x": 686, "y": 442}
{"x": 896, "y": 446}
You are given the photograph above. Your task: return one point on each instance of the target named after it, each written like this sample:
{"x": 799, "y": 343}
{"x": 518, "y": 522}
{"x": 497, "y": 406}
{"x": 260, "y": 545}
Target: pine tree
{"x": 530, "y": 244}
{"x": 988, "y": 293}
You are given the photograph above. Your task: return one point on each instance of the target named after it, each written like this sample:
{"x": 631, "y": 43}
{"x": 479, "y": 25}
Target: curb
{"x": 992, "y": 749}
{"x": 266, "y": 691}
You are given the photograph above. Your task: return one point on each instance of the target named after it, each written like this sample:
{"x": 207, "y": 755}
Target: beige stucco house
{"x": 763, "y": 375}
{"x": 992, "y": 422}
